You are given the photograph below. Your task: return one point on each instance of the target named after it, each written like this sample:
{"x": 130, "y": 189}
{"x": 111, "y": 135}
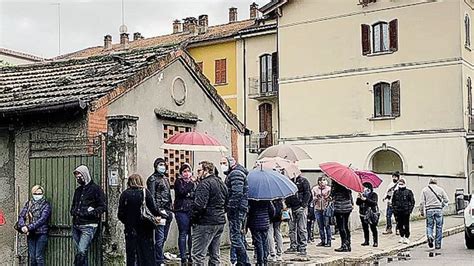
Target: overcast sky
{"x": 33, "y": 26}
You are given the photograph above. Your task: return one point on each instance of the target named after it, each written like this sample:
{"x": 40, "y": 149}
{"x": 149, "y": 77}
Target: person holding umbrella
{"x": 343, "y": 205}
{"x": 260, "y": 212}
{"x": 367, "y": 202}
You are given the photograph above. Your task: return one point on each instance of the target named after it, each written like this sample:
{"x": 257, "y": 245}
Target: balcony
{"x": 259, "y": 141}
{"x": 263, "y": 91}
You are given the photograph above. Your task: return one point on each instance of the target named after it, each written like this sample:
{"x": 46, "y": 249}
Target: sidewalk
{"x": 388, "y": 245}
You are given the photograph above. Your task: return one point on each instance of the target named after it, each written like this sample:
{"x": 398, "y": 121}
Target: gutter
{"x": 76, "y": 104}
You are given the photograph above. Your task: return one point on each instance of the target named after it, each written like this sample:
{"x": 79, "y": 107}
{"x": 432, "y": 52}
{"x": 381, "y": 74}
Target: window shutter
{"x": 393, "y": 29}
{"x": 223, "y": 71}
{"x": 365, "y": 36}
{"x": 217, "y": 72}
{"x": 469, "y": 96}
{"x": 275, "y": 70}
{"x": 395, "y": 91}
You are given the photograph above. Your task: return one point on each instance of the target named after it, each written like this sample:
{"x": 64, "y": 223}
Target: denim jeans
{"x": 297, "y": 228}
{"x": 183, "y": 219}
{"x": 207, "y": 240}
{"x": 259, "y": 239}
{"x": 435, "y": 217}
{"x": 36, "y": 248}
{"x": 161, "y": 234}
{"x": 275, "y": 239}
{"x": 235, "y": 230}
{"x": 82, "y": 236}
{"x": 389, "y": 214}
{"x": 233, "y": 251}
{"x": 324, "y": 227}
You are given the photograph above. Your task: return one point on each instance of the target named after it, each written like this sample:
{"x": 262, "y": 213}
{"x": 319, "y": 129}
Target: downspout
{"x": 245, "y": 99}
{"x": 278, "y": 78}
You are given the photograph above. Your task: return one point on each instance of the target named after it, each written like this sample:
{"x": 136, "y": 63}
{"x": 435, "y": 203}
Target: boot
{"x": 366, "y": 243}
{"x": 376, "y": 241}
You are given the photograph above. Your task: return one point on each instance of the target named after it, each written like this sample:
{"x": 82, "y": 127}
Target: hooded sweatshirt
{"x": 88, "y": 202}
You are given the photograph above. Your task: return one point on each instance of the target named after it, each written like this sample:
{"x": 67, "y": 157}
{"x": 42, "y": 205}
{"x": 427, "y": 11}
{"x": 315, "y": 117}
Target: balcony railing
{"x": 259, "y": 141}
{"x": 263, "y": 90}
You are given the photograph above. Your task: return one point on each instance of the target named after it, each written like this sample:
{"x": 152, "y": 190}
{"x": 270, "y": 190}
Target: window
{"x": 199, "y": 64}
{"x": 268, "y": 72}
{"x": 380, "y": 37}
{"x": 469, "y": 96}
{"x": 387, "y": 99}
{"x": 221, "y": 71}
{"x": 467, "y": 28}
{"x": 386, "y": 161}
{"x": 265, "y": 117}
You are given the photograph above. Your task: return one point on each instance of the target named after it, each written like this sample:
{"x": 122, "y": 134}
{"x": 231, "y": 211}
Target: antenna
{"x": 123, "y": 27}
{"x": 59, "y": 26}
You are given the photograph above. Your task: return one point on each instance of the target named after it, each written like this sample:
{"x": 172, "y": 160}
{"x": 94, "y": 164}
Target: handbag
{"x": 145, "y": 213}
{"x": 372, "y": 217}
{"x": 27, "y": 217}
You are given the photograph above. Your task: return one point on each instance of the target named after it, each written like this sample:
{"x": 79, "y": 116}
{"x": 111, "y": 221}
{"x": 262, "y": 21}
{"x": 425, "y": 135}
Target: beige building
{"x": 12, "y": 58}
{"x": 382, "y": 85}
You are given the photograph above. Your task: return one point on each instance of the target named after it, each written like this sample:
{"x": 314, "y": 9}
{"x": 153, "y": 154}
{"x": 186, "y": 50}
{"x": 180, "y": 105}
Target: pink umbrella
{"x": 369, "y": 177}
{"x": 343, "y": 175}
{"x": 193, "y": 141}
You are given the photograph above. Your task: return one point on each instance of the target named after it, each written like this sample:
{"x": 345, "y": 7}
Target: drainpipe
{"x": 245, "y": 100}
{"x": 278, "y": 78}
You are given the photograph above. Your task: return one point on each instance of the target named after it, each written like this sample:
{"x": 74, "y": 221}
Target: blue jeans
{"x": 233, "y": 251}
{"x": 259, "y": 238}
{"x": 432, "y": 217}
{"x": 36, "y": 248}
{"x": 183, "y": 219}
{"x": 235, "y": 229}
{"x": 82, "y": 236}
{"x": 324, "y": 227}
{"x": 207, "y": 241}
{"x": 161, "y": 234}
{"x": 389, "y": 217}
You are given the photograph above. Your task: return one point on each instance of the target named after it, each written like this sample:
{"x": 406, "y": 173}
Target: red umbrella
{"x": 369, "y": 177}
{"x": 343, "y": 175}
{"x": 193, "y": 141}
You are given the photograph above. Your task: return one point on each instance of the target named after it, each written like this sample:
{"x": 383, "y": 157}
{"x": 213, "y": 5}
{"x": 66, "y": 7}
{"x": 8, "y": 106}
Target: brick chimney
{"x": 203, "y": 21}
{"x": 107, "y": 42}
{"x": 190, "y": 25}
{"x": 177, "y": 26}
{"x": 124, "y": 39}
{"x": 232, "y": 14}
{"x": 137, "y": 36}
{"x": 253, "y": 10}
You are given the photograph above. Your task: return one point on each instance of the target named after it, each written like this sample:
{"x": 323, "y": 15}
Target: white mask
{"x": 224, "y": 168}
{"x": 37, "y": 197}
{"x": 161, "y": 169}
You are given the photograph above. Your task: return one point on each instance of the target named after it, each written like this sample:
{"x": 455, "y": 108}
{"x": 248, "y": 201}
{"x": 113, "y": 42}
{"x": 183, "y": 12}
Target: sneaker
{"x": 397, "y": 232}
{"x": 387, "y": 232}
{"x": 302, "y": 253}
{"x": 430, "y": 242}
{"x": 401, "y": 240}
{"x": 407, "y": 241}
{"x": 375, "y": 245}
{"x": 438, "y": 247}
{"x": 328, "y": 245}
{"x": 291, "y": 251}
{"x": 320, "y": 244}
{"x": 365, "y": 243}
{"x": 342, "y": 249}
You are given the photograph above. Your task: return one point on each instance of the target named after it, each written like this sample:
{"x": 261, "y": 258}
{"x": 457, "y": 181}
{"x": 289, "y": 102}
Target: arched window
{"x": 382, "y": 100}
{"x": 266, "y": 125}
{"x": 380, "y": 37}
{"x": 386, "y": 161}
{"x": 467, "y": 28}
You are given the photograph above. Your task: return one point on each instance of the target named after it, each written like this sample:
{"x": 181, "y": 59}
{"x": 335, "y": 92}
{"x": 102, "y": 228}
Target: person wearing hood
{"x": 237, "y": 205}
{"x": 368, "y": 200}
{"x": 160, "y": 189}
{"x": 403, "y": 203}
{"x": 33, "y": 221}
{"x": 88, "y": 205}
{"x": 184, "y": 188}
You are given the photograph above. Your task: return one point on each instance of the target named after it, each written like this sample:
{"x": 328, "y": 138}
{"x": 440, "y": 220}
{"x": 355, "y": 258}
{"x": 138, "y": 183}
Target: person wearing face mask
{"x": 160, "y": 189}
{"x": 403, "y": 203}
{"x": 237, "y": 205}
{"x": 33, "y": 221}
{"x": 184, "y": 188}
{"x": 321, "y": 197}
{"x": 392, "y": 187}
{"x": 87, "y": 207}
{"x": 368, "y": 200}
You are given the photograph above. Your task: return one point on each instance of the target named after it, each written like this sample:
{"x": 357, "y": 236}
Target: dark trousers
{"x": 183, "y": 219}
{"x": 235, "y": 230}
{"x": 36, "y": 248}
{"x": 139, "y": 248}
{"x": 342, "y": 222}
{"x": 403, "y": 224}
{"x": 259, "y": 239}
{"x": 161, "y": 234}
{"x": 389, "y": 214}
{"x": 373, "y": 228}
{"x": 309, "y": 228}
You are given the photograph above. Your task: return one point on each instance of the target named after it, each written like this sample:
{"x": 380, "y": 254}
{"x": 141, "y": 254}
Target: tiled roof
{"x": 26, "y": 56}
{"x": 213, "y": 33}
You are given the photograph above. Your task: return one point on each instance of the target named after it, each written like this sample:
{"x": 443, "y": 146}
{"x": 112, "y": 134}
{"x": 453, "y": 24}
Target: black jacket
{"x": 259, "y": 214}
{"x": 159, "y": 187}
{"x": 90, "y": 195}
{"x": 370, "y": 202}
{"x": 129, "y": 210}
{"x": 278, "y": 206}
{"x": 209, "y": 202}
{"x": 342, "y": 198}
{"x": 302, "y": 197}
{"x": 403, "y": 201}
{"x": 238, "y": 188}
{"x": 183, "y": 195}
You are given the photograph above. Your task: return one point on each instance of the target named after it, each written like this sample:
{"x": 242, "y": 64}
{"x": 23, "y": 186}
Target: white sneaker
{"x": 407, "y": 241}
{"x": 401, "y": 240}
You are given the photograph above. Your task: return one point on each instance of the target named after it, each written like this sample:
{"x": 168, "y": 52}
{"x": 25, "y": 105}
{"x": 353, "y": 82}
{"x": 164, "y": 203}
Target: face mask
{"x": 402, "y": 185}
{"x": 366, "y": 191}
{"x": 161, "y": 169}
{"x": 224, "y": 168}
{"x": 394, "y": 180}
{"x": 81, "y": 181}
{"x": 324, "y": 182}
{"x": 186, "y": 174}
{"x": 37, "y": 197}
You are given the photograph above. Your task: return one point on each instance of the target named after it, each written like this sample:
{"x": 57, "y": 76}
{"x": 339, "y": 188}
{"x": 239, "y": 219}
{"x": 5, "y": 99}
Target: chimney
{"x": 137, "y": 36}
{"x": 107, "y": 42}
{"x": 232, "y": 14}
{"x": 190, "y": 25}
{"x": 253, "y": 10}
{"x": 203, "y": 23}
{"x": 124, "y": 39}
{"x": 177, "y": 26}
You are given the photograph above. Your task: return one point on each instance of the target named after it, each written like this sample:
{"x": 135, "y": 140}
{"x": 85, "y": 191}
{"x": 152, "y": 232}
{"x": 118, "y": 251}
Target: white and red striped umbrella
{"x": 193, "y": 141}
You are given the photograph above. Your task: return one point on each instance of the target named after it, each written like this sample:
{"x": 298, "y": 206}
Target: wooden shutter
{"x": 265, "y": 115}
{"x": 365, "y": 36}
{"x": 469, "y": 96}
{"x": 220, "y": 71}
{"x": 395, "y": 93}
{"x": 275, "y": 71}
{"x": 393, "y": 32}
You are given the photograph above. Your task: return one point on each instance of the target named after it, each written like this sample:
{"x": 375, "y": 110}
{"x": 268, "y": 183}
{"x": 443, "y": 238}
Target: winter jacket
{"x": 370, "y": 202}
{"x": 184, "y": 195}
{"x": 38, "y": 224}
{"x": 342, "y": 198}
{"x": 403, "y": 201}
{"x": 160, "y": 189}
{"x": 259, "y": 214}
{"x": 237, "y": 187}
{"x": 321, "y": 197}
{"x": 429, "y": 201}
{"x": 209, "y": 203}
{"x": 278, "y": 206}
{"x": 302, "y": 198}
{"x": 129, "y": 210}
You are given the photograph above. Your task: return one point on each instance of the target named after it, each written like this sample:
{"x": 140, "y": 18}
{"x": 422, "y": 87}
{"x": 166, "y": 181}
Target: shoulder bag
{"x": 146, "y": 215}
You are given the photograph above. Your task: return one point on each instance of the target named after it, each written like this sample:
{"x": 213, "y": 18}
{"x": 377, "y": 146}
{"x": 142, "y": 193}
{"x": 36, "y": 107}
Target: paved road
{"x": 453, "y": 253}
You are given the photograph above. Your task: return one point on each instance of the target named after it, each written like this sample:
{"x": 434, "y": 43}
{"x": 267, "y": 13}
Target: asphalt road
{"x": 453, "y": 253}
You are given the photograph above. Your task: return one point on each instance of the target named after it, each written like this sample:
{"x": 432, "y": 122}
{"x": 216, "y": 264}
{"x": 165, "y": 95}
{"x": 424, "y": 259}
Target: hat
{"x": 433, "y": 180}
{"x": 35, "y": 188}
{"x": 403, "y": 180}
{"x": 396, "y": 173}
